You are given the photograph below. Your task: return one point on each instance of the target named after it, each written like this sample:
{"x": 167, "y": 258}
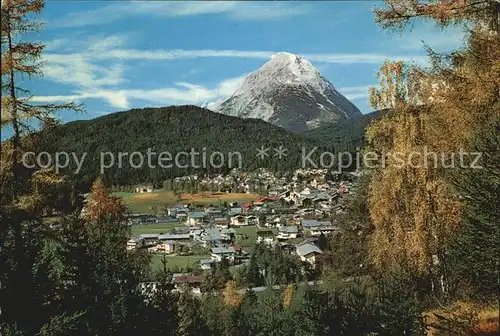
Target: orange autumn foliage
{"x": 101, "y": 204}
{"x": 231, "y": 296}
{"x": 414, "y": 209}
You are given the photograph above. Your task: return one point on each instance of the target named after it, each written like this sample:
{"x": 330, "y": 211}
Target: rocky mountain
{"x": 288, "y": 91}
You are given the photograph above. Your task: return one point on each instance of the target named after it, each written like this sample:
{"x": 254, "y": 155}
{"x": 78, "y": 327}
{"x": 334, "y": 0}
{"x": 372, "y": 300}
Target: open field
{"x": 142, "y": 202}
{"x": 172, "y": 261}
{"x": 154, "y": 228}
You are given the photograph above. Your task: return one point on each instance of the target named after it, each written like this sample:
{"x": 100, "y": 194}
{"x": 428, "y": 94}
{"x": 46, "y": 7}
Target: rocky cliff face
{"x": 288, "y": 91}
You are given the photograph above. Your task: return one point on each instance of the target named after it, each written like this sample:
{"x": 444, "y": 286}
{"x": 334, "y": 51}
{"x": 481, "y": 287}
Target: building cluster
{"x": 293, "y": 215}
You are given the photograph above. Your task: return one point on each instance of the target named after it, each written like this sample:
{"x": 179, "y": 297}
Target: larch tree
{"x": 21, "y": 58}
{"x": 434, "y": 109}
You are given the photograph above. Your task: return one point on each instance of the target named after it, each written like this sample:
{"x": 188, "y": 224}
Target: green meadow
{"x": 154, "y": 228}
{"x": 173, "y": 261}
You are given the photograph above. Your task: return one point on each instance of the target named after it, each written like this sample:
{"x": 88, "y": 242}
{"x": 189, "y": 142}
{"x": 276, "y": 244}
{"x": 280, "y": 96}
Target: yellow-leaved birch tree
{"x": 432, "y": 109}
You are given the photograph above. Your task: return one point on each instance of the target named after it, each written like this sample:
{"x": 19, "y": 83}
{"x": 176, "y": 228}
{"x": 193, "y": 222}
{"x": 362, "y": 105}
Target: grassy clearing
{"x": 173, "y": 261}
{"x": 142, "y": 202}
{"x": 154, "y": 228}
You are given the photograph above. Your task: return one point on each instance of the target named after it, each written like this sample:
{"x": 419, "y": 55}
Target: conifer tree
{"x": 21, "y": 58}
{"x": 190, "y": 322}
{"x": 474, "y": 252}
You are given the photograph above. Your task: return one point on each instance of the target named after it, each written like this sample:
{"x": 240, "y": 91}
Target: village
{"x": 294, "y": 216}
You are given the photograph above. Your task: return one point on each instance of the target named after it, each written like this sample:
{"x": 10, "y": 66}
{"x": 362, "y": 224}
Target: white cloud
{"x": 76, "y": 43}
{"x": 114, "y": 98}
{"x": 96, "y": 67}
{"x": 105, "y": 43}
{"x": 440, "y": 39}
{"x": 355, "y": 92}
{"x": 183, "y": 93}
{"x": 172, "y": 54}
{"x": 358, "y": 58}
{"x": 227, "y": 87}
{"x": 79, "y": 70}
{"x": 235, "y": 10}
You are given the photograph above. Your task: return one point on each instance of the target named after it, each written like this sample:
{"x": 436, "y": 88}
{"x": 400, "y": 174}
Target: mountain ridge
{"x": 288, "y": 91}
{"x": 346, "y": 134}
{"x": 174, "y": 129}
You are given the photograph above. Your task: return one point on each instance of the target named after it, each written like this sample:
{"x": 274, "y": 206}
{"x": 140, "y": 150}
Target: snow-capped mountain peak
{"x": 290, "y": 92}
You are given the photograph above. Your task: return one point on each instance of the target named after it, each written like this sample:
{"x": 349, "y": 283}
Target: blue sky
{"x": 113, "y": 56}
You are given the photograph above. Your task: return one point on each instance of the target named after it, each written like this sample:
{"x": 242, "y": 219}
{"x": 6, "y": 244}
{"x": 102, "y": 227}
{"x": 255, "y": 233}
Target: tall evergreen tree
{"x": 190, "y": 322}
{"x": 21, "y": 58}
{"x": 474, "y": 252}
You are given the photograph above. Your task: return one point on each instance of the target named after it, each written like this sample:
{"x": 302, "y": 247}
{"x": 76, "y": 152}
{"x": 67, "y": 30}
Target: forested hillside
{"x": 346, "y": 134}
{"x": 173, "y": 129}
{"x": 415, "y": 253}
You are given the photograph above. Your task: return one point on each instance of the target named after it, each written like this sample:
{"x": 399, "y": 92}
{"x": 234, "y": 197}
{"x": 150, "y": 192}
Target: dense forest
{"x": 174, "y": 129}
{"x": 346, "y": 135}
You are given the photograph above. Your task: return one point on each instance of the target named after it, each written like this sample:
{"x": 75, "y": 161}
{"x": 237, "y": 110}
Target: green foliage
{"x": 218, "y": 277}
{"x": 25, "y": 276}
{"x": 190, "y": 322}
{"x": 61, "y": 325}
{"x": 474, "y": 252}
{"x": 253, "y": 276}
{"x": 346, "y": 135}
{"x": 267, "y": 264}
{"x": 347, "y": 251}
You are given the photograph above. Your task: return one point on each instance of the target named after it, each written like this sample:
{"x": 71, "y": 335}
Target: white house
{"x": 325, "y": 229}
{"x": 287, "y": 232}
{"x": 237, "y": 220}
{"x": 206, "y": 264}
{"x": 149, "y": 239}
{"x": 265, "y": 236}
{"x": 165, "y": 247}
{"x": 134, "y": 243}
{"x": 211, "y": 237}
{"x": 221, "y": 222}
{"x": 219, "y": 253}
{"x": 181, "y": 214}
{"x": 251, "y": 220}
{"x": 195, "y": 218}
{"x": 235, "y": 210}
{"x": 174, "y": 237}
{"x": 144, "y": 189}
{"x": 193, "y": 282}
{"x": 309, "y": 252}
{"x": 195, "y": 231}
